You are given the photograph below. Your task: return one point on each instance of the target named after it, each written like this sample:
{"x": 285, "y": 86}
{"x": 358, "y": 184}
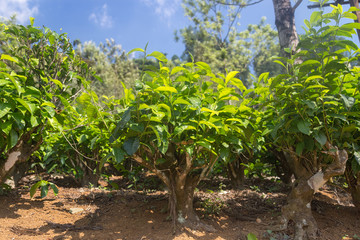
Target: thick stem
{"x": 236, "y": 173}
{"x": 353, "y": 180}
{"x": 182, "y": 192}
{"x": 282, "y": 168}
{"x": 181, "y": 182}
{"x": 21, "y": 152}
{"x": 298, "y": 208}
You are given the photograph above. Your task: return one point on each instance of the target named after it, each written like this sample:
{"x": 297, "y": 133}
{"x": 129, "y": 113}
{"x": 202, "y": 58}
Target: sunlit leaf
{"x": 135, "y": 50}
{"x": 4, "y": 109}
{"x": 230, "y": 76}
{"x": 251, "y": 236}
{"x": 8, "y": 57}
{"x": 166, "y": 89}
{"x": 158, "y": 55}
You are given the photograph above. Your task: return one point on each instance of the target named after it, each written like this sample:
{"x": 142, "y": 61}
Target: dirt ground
{"x": 128, "y": 214}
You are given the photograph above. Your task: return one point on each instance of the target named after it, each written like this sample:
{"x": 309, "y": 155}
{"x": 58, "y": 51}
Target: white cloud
{"x": 163, "y": 8}
{"x": 22, "y": 8}
{"x": 102, "y": 18}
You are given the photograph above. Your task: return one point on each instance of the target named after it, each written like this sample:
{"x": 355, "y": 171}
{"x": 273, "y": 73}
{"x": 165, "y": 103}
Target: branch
{"x": 152, "y": 168}
{"x": 337, "y": 167}
{"x": 296, "y": 5}
{"x": 237, "y": 4}
{"x": 232, "y": 23}
{"x": 75, "y": 149}
{"x": 326, "y": 4}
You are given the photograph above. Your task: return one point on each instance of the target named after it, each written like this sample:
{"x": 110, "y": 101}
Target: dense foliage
{"x": 39, "y": 75}
{"x": 180, "y": 121}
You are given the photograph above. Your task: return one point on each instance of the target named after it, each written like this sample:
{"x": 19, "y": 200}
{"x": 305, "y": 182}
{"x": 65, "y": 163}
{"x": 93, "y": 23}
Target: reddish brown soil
{"x": 134, "y": 215}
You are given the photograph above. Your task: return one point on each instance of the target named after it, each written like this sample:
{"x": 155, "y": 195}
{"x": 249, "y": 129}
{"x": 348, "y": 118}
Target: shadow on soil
{"x": 133, "y": 215}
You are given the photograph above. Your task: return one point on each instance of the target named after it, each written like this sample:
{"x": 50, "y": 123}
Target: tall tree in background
{"x": 285, "y": 23}
{"x": 215, "y": 38}
{"x": 111, "y": 64}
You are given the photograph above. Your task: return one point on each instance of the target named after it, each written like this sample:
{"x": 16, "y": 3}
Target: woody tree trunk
{"x": 181, "y": 180}
{"x": 309, "y": 180}
{"x": 285, "y": 24}
{"x": 181, "y": 189}
{"x": 353, "y": 180}
{"x": 282, "y": 168}
{"x": 21, "y": 152}
{"x": 235, "y": 171}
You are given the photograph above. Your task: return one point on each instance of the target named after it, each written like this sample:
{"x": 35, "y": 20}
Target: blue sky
{"x": 132, "y": 23}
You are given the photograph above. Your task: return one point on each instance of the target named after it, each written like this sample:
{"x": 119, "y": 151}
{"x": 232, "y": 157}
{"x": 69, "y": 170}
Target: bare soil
{"x": 129, "y": 214}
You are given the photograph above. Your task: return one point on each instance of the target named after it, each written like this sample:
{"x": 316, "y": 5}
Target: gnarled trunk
{"x": 181, "y": 178}
{"x": 21, "y": 152}
{"x": 298, "y": 208}
{"x": 235, "y": 171}
{"x": 353, "y": 180}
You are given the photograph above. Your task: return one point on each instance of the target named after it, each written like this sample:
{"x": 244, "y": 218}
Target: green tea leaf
{"x": 304, "y": 127}
{"x": 135, "y": 50}
{"x": 14, "y": 137}
{"x": 204, "y": 144}
{"x": 124, "y": 120}
{"x": 357, "y": 157}
{"x": 204, "y": 66}
{"x": 230, "y": 76}
{"x": 8, "y": 57}
{"x": 181, "y": 101}
{"x": 320, "y": 138}
{"x": 348, "y": 101}
{"x": 131, "y": 145}
{"x": 34, "y": 61}
{"x": 54, "y": 188}
{"x": 299, "y": 148}
{"x": 167, "y": 109}
{"x": 119, "y": 154}
{"x": 315, "y": 17}
{"x": 29, "y": 106}
{"x": 158, "y": 55}
{"x": 166, "y": 89}
{"x": 4, "y": 109}
{"x": 44, "y": 191}
{"x": 33, "y": 121}
{"x": 34, "y": 188}
{"x": 32, "y": 21}
{"x": 6, "y": 127}
{"x": 180, "y": 129}
{"x": 177, "y": 69}
{"x": 251, "y": 236}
